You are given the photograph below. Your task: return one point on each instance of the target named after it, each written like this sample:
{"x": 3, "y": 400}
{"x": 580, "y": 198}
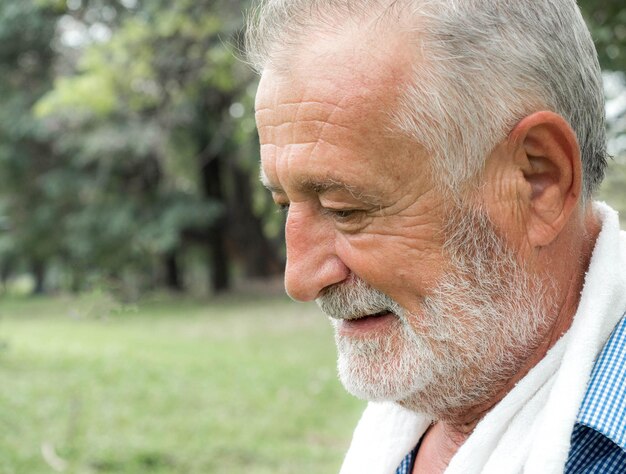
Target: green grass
{"x": 170, "y": 387}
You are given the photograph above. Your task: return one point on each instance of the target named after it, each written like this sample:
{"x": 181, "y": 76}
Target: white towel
{"x": 529, "y": 430}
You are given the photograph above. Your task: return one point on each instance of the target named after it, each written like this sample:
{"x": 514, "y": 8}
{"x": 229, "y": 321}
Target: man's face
{"x": 366, "y": 232}
{"x": 361, "y": 198}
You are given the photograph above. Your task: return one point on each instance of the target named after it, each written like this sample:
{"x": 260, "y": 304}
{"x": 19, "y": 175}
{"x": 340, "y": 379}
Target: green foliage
{"x": 170, "y": 387}
{"x": 93, "y": 93}
{"x": 107, "y": 154}
{"x": 613, "y": 188}
{"x": 607, "y": 21}
{"x": 26, "y": 57}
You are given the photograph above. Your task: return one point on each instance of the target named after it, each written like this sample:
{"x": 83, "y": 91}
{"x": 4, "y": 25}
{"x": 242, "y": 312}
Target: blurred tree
{"x": 154, "y": 116}
{"x": 30, "y": 231}
{"x": 607, "y": 21}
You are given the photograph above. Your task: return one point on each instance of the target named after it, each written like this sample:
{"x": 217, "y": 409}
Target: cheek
{"x": 400, "y": 266}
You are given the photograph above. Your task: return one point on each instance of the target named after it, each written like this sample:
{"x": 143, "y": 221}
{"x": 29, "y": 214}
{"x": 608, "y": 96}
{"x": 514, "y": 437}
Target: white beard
{"x": 473, "y": 332}
{"x": 385, "y": 367}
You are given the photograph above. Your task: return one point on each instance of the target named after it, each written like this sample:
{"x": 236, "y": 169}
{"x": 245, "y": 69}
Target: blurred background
{"x": 142, "y": 322}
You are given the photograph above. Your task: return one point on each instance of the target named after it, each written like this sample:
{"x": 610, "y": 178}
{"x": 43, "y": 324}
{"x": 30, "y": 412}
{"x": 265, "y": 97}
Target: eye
{"x": 343, "y": 215}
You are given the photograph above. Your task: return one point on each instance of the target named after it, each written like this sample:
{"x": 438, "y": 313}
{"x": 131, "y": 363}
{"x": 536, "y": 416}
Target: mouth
{"x": 361, "y": 317}
{"x": 365, "y": 324}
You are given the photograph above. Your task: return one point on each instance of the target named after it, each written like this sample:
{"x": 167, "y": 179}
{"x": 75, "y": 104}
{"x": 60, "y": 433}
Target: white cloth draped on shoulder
{"x": 529, "y": 430}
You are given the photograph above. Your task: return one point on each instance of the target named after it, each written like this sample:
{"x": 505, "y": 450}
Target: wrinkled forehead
{"x": 351, "y": 65}
{"x": 333, "y": 106}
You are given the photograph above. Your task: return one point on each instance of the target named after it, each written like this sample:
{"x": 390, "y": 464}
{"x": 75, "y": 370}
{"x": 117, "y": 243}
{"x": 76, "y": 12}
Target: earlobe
{"x": 549, "y": 157}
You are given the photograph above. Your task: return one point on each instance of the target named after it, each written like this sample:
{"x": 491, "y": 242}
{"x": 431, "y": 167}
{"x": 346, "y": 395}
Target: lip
{"x": 365, "y": 326}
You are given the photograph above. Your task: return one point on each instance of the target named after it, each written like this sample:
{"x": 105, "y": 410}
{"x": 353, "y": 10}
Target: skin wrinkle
{"x": 333, "y": 184}
{"x": 312, "y": 142}
{"x": 422, "y": 249}
{"x": 336, "y": 107}
{"x": 262, "y": 110}
{"x": 308, "y": 185}
{"x": 325, "y": 186}
{"x": 294, "y": 121}
{"x": 327, "y": 123}
{"x": 306, "y": 121}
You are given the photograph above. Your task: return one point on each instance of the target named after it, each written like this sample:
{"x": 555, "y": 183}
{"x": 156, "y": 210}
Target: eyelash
{"x": 340, "y": 215}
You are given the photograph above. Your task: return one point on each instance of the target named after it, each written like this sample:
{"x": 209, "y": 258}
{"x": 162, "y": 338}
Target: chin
{"x": 371, "y": 387}
{"x": 380, "y": 368}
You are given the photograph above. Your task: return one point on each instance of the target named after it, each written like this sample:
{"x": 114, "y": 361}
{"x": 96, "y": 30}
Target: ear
{"x": 547, "y": 152}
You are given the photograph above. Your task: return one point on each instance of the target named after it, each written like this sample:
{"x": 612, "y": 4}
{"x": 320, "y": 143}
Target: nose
{"x": 312, "y": 262}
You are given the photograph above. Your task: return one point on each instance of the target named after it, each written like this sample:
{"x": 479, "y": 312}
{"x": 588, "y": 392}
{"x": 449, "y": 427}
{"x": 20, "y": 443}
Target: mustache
{"x": 355, "y": 299}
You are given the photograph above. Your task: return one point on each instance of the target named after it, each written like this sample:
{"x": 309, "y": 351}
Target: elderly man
{"x": 436, "y": 160}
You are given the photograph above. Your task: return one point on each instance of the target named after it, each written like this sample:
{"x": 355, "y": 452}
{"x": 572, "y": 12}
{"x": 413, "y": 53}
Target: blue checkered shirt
{"x": 598, "y": 443}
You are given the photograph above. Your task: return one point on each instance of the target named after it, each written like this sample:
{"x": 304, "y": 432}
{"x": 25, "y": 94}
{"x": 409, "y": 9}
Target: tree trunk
{"x": 211, "y": 172}
{"x": 39, "y": 274}
{"x": 173, "y": 280}
{"x": 76, "y": 282}
{"x": 260, "y": 256}
{"x": 220, "y": 271}
{"x": 6, "y": 270}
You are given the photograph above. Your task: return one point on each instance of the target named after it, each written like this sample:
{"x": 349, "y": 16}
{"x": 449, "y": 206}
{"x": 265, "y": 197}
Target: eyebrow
{"x": 324, "y": 185}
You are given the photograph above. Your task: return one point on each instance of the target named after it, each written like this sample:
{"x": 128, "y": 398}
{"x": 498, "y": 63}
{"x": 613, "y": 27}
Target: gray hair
{"x": 486, "y": 64}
